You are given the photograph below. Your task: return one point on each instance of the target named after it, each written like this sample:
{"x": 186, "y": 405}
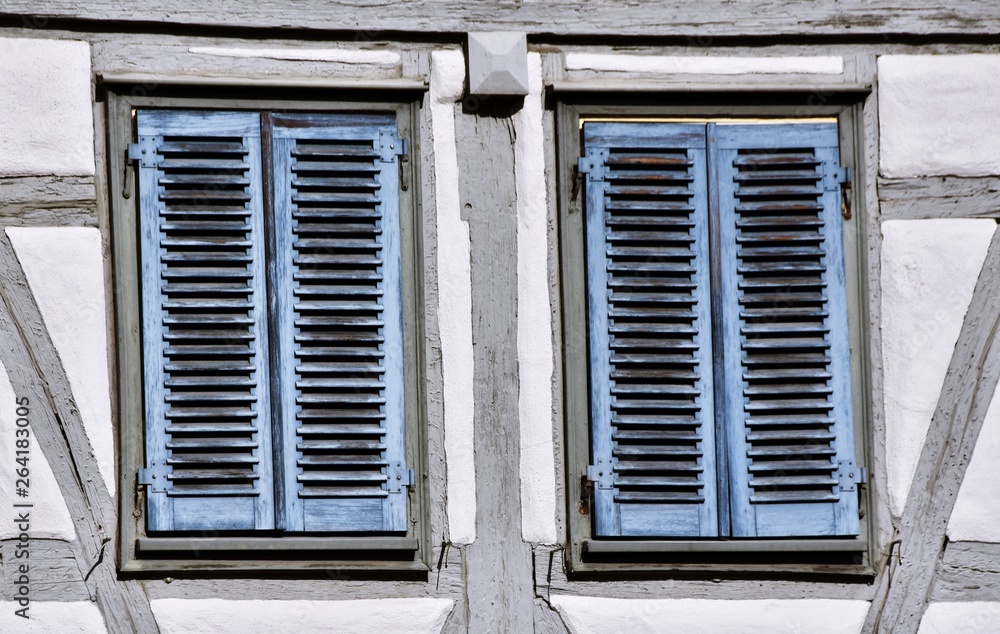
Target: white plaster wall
{"x": 49, "y": 516}
{"x": 972, "y": 617}
{"x": 669, "y": 65}
{"x": 65, "y": 269}
{"x": 46, "y": 124}
{"x": 365, "y": 616}
{"x": 594, "y": 615}
{"x": 52, "y": 617}
{"x": 534, "y": 322}
{"x": 929, "y": 270}
{"x": 938, "y": 115}
{"x": 454, "y": 262}
{"x": 976, "y": 516}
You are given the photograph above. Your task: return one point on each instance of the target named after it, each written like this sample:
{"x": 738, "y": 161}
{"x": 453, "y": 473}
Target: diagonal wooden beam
{"x": 32, "y": 362}
{"x": 965, "y": 396}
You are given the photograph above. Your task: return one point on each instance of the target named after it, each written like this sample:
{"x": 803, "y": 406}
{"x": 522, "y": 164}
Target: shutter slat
{"x": 786, "y": 355}
{"x": 651, "y": 375}
{"x": 337, "y": 218}
{"x": 204, "y": 322}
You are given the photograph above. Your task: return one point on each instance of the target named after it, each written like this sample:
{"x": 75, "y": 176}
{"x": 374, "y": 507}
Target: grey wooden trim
{"x": 713, "y": 18}
{"x": 36, "y": 373}
{"x": 498, "y": 562}
{"x": 969, "y": 571}
{"x": 552, "y": 580}
{"x": 331, "y": 83}
{"x": 55, "y": 573}
{"x": 280, "y": 544}
{"x": 318, "y": 585}
{"x": 961, "y": 409}
{"x": 733, "y": 546}
{"x": 939, "y": 197}
{"x": 771, "y": 84}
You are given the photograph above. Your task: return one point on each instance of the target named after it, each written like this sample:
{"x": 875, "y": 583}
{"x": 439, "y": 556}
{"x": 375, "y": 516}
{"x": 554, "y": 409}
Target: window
{"x": 718, "y": 345}
{"x": 268, "y": 247}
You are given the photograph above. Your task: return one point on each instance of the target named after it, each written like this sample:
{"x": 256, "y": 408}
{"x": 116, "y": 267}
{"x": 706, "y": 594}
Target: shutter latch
{"x": 145, "y": 151}
{"x": 850, "y": 475}
{"x": 399, "y": 478}
{"x": 154, "y": 479}
{"x": 594, "y": 164}
{"x": 602, "y": 474}
{"x": 390, "y": 146}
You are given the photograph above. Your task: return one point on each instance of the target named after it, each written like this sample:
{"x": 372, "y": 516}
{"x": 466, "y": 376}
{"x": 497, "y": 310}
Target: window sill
{"x": 841, "y": 560}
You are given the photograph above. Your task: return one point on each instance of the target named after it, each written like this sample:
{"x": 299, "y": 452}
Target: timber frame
{"x": 140, "y": 553}
{"x": 149, "y": 42}
{"x": 591, "y": 558}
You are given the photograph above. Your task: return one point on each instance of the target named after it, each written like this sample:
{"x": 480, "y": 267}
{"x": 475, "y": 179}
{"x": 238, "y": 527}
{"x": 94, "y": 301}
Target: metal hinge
{"x": 836, "y": 177}
{"x": 145, "y": 151}
{"x": 154, "y": 479}
{"x": 399, "y": 478}
{"x": 594, "y": 164}
{"x": 850, "y": 475}
{"x": 390, "y": 146}
{"x": 602, "y": 474}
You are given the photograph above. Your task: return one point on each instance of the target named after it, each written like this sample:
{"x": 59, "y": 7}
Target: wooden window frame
{"x": 363, "y": 556}
{"x": 591, "y": 557}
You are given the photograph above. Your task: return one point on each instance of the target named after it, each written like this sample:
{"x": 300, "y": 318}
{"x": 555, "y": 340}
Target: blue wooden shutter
{"x": 339, "y": 322}
{"x": 789, "y": 422}
{"x": 649, "y": 327}
{"x": 208, "y": 437}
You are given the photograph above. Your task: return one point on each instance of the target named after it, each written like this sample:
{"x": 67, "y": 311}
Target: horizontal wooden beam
{"x": 327, "y": 83}
{"x": 49, "y": 201}
{"x": 969, "y": 571}
{"x": 758, "y": 84}
{"x": 655, "y": 18}
{"x": 939, "y": 197}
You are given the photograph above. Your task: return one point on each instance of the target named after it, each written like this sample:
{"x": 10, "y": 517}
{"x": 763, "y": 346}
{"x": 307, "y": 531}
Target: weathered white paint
{"x": 967, "y": 617}
{"x": 534, "y": 321}
{"x": 46, "y": 124}
{"x": 49, "y": 515}
{"x": 385, "y": 59}
{"x": 598, "y": 615}
{"x": 363, "y": 616}
{"x": 976, "y": 516}
{"x": 929, "y": 270}
{"x": 704, "y": 65}
{"x": 938, "y": 115}
{"x": 65, "y": 269}
{"x": 454, "y": 298}
{"x": 51, "y": 617}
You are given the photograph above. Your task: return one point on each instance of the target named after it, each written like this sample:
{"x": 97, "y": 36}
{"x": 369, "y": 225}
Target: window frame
{"x": 140, "y": 553}
{"x": 589, "y": 556}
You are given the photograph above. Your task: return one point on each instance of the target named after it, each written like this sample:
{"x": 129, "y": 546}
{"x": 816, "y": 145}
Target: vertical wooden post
{"x": 498, "y": 564}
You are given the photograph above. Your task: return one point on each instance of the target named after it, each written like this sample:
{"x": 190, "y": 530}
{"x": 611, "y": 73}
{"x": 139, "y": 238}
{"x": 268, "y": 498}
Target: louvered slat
{"x": 340, "y": 319}
{"x": 786, "y": 354}
{"x": 205, "y": 336}
{"x": 648, "y": 303}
